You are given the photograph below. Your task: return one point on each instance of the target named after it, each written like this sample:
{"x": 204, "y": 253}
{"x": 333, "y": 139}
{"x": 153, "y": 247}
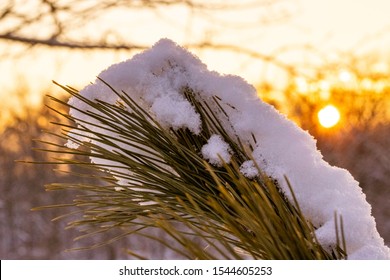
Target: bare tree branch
{"x": 53, "y": 42}
{"x": 56, "y": 19}
{"x": 53, "y": 23}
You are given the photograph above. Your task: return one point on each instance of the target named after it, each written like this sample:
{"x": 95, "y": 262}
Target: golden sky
{"x": 328, "y": 26}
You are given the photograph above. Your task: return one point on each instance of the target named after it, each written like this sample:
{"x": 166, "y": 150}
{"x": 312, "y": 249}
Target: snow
{"x": 155, "y": 78}
{"x": 176, "y": 112}
{"x": 249, "y": 169}
{"x": 216, "y": 151}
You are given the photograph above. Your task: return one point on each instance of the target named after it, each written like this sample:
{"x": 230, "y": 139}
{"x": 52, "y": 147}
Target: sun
{"x": 328, "y": 116}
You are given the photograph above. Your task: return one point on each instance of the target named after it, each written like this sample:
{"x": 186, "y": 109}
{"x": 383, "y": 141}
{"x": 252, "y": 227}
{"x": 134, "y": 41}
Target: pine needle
{"x": 170, "y": 184}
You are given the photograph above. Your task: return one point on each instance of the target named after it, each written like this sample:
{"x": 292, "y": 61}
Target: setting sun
{"x": 329, "y": 116}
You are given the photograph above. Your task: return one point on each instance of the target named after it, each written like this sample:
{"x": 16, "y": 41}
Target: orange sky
{"x": 328, "y": 25}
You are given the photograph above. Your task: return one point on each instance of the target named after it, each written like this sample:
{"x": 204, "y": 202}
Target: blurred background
{"x": 325, "y": 64}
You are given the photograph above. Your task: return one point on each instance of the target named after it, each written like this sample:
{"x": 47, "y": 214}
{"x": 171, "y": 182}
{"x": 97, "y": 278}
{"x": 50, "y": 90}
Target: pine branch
{"x": 156, "y": 177}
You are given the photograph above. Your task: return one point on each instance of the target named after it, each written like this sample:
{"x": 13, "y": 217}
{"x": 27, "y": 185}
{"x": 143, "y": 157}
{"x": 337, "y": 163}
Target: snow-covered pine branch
{"x": 156, "y": 78}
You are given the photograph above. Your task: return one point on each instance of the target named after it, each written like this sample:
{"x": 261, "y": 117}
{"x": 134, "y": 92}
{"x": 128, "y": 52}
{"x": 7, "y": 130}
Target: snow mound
{"x": 249, "y": 169}
{"x": 216, "y": 151}
{"x": 156, "y": 77}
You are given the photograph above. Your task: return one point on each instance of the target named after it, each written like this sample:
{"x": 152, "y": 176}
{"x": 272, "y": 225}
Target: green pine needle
{"x": 211, "y": 212}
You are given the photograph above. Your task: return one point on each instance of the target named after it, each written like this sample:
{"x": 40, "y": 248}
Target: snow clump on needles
{"x": 155, "y": 79}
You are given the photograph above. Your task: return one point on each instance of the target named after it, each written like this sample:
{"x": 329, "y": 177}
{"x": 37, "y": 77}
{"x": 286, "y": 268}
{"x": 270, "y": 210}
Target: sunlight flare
{"x": 329, "y": 116}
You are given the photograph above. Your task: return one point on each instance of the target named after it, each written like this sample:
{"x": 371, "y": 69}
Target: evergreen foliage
{"x": 210, "y": 211}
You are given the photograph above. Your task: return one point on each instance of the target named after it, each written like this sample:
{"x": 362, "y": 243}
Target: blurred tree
{"x": 71, "y": 24}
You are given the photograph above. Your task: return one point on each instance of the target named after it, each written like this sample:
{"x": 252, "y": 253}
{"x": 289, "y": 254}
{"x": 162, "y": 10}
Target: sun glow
{"x": 329, "y": 116}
